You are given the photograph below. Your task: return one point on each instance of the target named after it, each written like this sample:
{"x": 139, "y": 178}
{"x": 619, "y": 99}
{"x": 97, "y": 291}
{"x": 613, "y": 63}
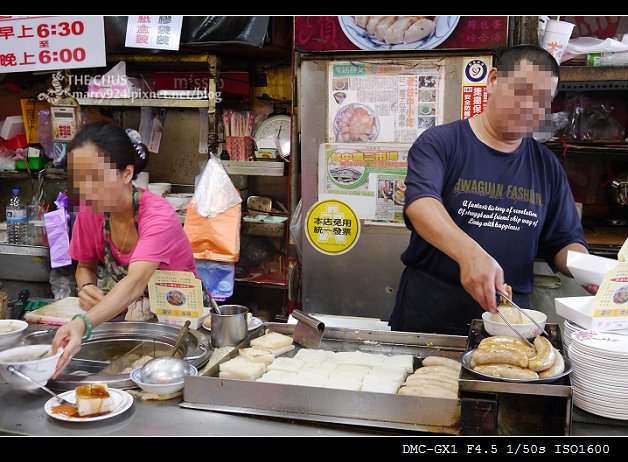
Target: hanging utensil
{"x": 505, "y": 297}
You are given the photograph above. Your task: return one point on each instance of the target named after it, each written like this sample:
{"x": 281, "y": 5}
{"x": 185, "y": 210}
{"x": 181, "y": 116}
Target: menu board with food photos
{"x": 176, "y": 293}
{"x": 383, "y": 103}
{"x": 611, "y": 300}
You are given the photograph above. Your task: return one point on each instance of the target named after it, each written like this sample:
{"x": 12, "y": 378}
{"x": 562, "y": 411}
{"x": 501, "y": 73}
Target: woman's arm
{"x": 129, "y": 289}
{"x": 89, "y": 293}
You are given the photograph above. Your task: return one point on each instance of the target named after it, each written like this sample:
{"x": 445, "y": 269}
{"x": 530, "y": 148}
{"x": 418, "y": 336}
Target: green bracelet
{"x": 88, "y": 324}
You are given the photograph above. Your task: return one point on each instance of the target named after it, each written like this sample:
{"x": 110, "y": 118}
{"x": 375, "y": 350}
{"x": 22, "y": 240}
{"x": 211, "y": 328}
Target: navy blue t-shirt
{"x": 517, "y": 205}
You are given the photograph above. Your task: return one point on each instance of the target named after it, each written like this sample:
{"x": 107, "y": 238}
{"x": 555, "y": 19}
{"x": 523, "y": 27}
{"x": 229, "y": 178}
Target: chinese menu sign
{"x": 35, "y": 43}
{"x": 369, "y": 178}
{"x": 155, "y": 32}
{"x": 399, "y": 33}
{"x": 176, "y": 293}
{"x": 384, "y": 103}
{"x": 474, "y": 79}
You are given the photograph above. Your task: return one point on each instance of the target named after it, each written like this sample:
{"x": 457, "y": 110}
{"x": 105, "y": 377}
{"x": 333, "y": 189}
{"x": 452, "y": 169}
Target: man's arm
{"x": 560, "y": 260}
{"x": 480, "y": 274}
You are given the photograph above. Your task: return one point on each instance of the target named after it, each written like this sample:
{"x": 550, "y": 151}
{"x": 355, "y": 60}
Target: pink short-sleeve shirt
{"x": 161, "y": 237}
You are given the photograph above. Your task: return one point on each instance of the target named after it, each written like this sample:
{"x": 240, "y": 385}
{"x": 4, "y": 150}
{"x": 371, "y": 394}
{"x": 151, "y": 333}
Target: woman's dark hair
{"x": 509, "y": 57}
{"x": 114, "y": 142}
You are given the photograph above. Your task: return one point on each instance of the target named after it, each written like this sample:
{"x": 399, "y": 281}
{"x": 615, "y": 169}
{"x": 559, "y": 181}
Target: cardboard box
{"x": 177, "y": 296}
{"x": 580, "y": 310}
{"x": 589, "y": 269}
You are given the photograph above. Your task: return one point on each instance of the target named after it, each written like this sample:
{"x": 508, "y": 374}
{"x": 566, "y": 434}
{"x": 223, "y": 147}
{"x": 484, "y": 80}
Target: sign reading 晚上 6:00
{"x": 332, "y": 227}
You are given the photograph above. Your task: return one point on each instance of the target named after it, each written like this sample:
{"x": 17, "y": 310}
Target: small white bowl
{"x": 528, "y": 330}
{"x": 8, "y": 339}
{"x": 179, "y": 200}
{"x": 23, "y": 359}
{"x": 160, "y": 388}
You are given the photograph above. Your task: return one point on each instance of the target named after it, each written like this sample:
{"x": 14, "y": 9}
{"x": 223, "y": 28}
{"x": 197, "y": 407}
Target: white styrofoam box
{"x": 12, "y": 126}
{"x": 580, "y": 310}
{"x": 589, "y": 269}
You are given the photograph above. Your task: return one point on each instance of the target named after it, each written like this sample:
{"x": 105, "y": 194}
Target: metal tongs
{"x": 505, "y": 297}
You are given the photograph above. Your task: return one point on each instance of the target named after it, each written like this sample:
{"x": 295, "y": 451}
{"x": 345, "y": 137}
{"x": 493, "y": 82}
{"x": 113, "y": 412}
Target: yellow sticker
{"x": 332, "y": 227}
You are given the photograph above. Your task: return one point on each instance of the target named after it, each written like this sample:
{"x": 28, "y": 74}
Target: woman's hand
{"x": 481, "y": 275}
{"x": 68, "y": 336}
{"x": 89, "y": 296}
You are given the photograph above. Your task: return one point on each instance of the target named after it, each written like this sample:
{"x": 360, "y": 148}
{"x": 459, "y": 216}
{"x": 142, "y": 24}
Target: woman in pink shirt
{"x": 131, "y": 231}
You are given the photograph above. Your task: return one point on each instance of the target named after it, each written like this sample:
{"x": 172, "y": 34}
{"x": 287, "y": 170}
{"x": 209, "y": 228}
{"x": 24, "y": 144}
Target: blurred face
{"x": 519, "y": 99}
{"x": 96, "y": 180}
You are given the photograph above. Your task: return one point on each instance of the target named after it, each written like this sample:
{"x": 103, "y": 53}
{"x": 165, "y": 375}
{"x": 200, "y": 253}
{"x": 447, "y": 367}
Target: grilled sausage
{"x": 557, "y": 368}
{"x": 545, "y": 355}
{"x": 507, "y": 342}
{"x": 437, "y": 369}
{"x": 441, "y": 361}
{"x": 500, "y": 356}
{"x": 506, "y": 371}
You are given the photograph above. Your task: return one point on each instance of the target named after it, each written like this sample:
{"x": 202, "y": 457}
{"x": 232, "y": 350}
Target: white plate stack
{"x": 600, "y": 373}
{"x": 569, "y": 328}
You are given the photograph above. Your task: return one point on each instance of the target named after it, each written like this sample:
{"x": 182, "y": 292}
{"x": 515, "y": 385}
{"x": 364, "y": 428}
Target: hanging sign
{"x": 474, "y": 79}
{"x": 155, "y": 32}
{"x": 35, "y": 43}
{"x": 332, "y": 227}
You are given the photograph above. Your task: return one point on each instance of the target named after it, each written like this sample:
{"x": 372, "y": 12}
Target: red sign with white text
{"x": 35, "y": 43}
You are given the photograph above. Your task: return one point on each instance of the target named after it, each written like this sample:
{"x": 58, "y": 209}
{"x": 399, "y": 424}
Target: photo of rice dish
{"x": 620, "y": 296}
{"x": 175, "y": 298}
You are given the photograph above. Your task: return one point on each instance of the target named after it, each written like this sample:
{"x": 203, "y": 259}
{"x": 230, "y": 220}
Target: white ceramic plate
{"x": 121, "y": 402}
{"x": 466, "y": 363}
{"x": 253, "y": 324}
{"x": 606, "y": 343}
{"x": 445, "y": 25}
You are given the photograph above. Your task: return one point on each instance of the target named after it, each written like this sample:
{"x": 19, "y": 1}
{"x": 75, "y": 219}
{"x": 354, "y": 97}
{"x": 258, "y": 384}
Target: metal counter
{"x": 23, "y": 413}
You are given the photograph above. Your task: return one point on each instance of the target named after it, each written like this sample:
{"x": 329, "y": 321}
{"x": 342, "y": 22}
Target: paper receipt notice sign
{"x": 176, "y": 293}
{"x": 332, "y": 227}
{"x": 35, "y": 43}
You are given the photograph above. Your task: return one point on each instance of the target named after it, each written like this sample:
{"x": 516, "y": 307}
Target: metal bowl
{"x": 108, "y": 356}
{"x": 161, "y": 388}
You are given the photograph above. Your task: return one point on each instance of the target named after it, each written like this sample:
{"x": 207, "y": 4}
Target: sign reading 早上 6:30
{"x": 34, "y": 43}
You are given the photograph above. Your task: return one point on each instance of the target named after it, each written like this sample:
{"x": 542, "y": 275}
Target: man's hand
{"x": 591, "y": 288}
{"x": 481, "y": 275}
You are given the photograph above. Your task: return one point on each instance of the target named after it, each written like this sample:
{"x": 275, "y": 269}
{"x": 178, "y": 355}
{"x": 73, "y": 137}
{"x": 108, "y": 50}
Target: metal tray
{"x": 466, "y": 363}
{"x": 114, "y": 346}
{"x": 358, "y": 408}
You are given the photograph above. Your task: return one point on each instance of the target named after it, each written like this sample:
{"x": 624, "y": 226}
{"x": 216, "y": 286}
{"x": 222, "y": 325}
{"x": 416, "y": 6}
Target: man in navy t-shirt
{"x": 483, "y": 200}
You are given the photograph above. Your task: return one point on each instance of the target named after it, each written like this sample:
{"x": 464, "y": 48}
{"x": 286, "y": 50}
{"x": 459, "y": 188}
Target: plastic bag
{"x": 591, "y": 121}
{"x": 215, "y": 192}
{"x": 218, "y": 278}
{"x": 44, "y": 133}
{"x": 216, "y": 238}
{"x": 296, "y": 229}
{"x": 58, "y": 237}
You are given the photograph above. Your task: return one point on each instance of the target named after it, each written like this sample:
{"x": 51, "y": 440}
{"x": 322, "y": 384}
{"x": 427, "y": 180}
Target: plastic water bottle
{"x": 16, "y": 219}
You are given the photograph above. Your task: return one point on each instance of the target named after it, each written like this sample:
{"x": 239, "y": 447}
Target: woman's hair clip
{"x": 136, "y": 140}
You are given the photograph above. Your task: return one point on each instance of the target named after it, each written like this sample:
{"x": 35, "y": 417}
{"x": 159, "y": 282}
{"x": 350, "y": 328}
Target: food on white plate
{"x": 380, "y": 385}
{"x": 500, "y": 356}
{"x": 397, "y": 29}
{"x": 508, "y": 343}
{"x": 441, "y": 361}
{"x": 242, "y": 369}
{"x": 286, "y": 364}
{"x": 557, "y": 368}
{"x": 257, "y": 355}
{"x": 312, "y": 356}
{"x": 545, "y": 355}
{"x": 93, "y": 400}
{"x": 428, "y": 392}
{"x": 344, "y": 383}
{"x": 355, "y": 123}
{"x": 507, "y": 371}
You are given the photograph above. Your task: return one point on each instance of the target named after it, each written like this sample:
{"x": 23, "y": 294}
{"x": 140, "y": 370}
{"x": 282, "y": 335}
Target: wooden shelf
{"x": 606, "y": 151}
{"x": 145, "y": 102}
{"x": 21, "y": 175}
{"x": 261, "y": 168}
{"x": 593, "y": 74}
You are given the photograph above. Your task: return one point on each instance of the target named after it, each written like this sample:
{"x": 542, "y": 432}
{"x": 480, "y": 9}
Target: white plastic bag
{"x": 215, "y": 192}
